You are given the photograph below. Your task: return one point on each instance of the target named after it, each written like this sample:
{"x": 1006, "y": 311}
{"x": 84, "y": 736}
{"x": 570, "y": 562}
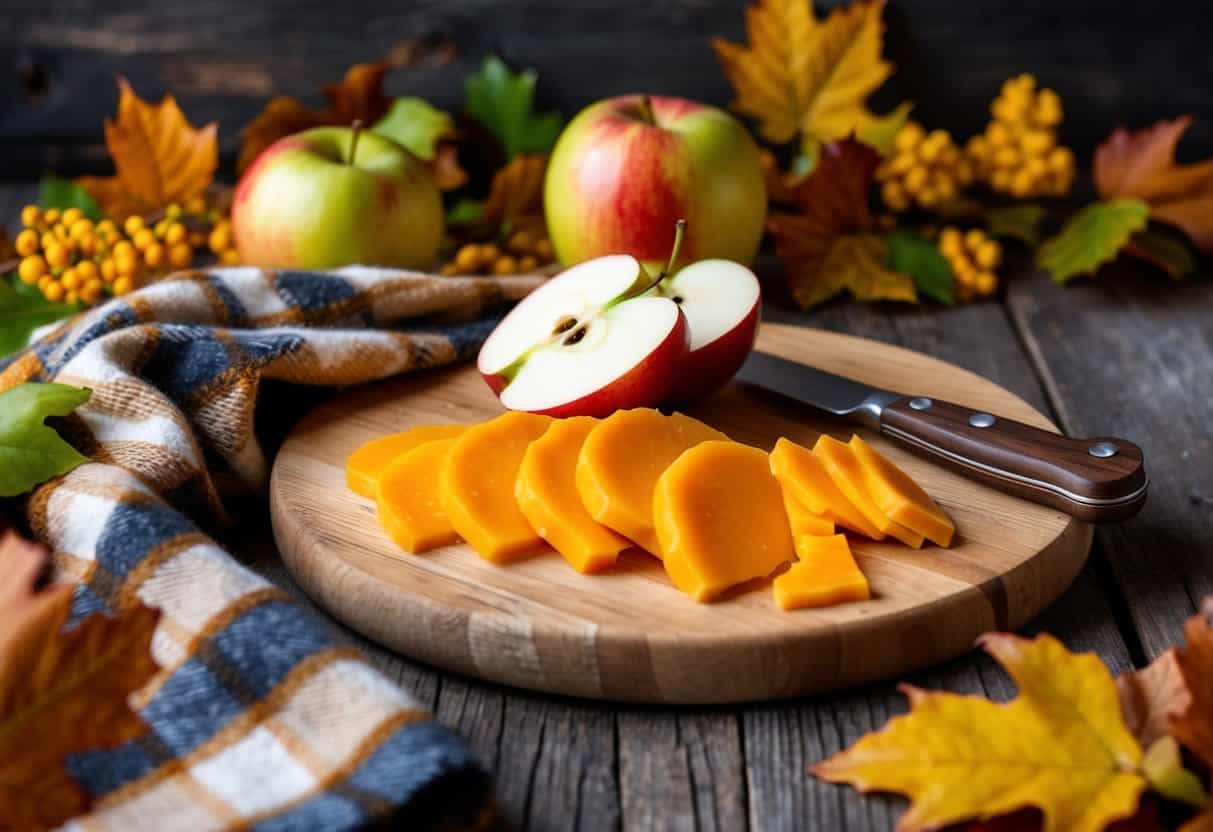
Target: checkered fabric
{"x": 259, "y": 717}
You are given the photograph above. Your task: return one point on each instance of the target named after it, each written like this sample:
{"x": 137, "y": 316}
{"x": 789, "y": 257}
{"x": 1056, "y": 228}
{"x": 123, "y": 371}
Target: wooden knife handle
{"x": 1097, "y": 480}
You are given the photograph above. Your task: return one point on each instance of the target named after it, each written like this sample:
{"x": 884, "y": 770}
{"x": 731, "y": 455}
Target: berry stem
{"x": 356, "y": 134}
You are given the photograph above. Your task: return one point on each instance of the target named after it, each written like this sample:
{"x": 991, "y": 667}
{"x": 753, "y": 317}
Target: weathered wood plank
{"x": 782, "y": 740}
{"x": 1130, "y": 355}
{"x": 225, "y": 58}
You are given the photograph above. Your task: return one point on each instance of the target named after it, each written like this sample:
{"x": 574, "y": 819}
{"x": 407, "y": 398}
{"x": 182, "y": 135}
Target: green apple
{"x": 626, "y": 169}
{"x": 335, "y": 196}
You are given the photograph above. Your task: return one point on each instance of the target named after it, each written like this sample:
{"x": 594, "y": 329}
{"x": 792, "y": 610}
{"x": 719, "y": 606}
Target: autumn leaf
{"x": 416, "y": 125}
{"x": 22, "y": 310}
{"x": 32, "y": 452}
{"x": 359, "y": 95}
{"x": 1060, "y": 746}
{"x": 504, "y": 104}
{"x": 517, "y": 193}
{"x": 1193, "y": 726}
{"x": 1019, "y": 222}
{"x": 61, "y": 692}
{"x": 1091, "y": 238}
{"x": 829, "y": 245}
{"x": 911, "y": 253}
{"x": 800, "y": 76}
{"x": 1163, "y": 250}
{"x": 1164, "y": 770}
{"x": 1141, "y": 164}
{"x": 159, "y": 157}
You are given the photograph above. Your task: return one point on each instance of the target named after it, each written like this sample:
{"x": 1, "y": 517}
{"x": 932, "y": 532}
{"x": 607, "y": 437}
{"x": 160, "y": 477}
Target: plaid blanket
{"x": 259, "y": 717}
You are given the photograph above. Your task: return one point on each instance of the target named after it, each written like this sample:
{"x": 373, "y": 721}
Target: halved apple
{"x": 723, "y": 303}
{"x": 587, "y": 343}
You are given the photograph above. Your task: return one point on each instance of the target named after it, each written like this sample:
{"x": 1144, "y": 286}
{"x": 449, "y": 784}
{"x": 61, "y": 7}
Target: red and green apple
{"x": 336, "y": 196}
{"x": 625, "y": 169}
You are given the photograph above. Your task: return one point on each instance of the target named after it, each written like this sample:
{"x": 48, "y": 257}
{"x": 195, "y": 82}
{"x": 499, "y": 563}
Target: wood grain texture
{"x": 630, "y": 635}
{"x": 1112, "y": 62}
{"x": 1131, "y": 354}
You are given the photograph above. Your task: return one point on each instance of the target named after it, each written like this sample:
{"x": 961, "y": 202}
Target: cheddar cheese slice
{"x": 846, "y": 472}
{"x": 621, "y": 460}
{"x": 477, "y": 486}
{"x": 408, "y": 501}
{"x": 546, "y": 491}
{"x": 900, "y": 497}
{"x": 825, "y": 574}
{"x": 807, "y": 478}
{"x": 719, "y": 518}
{"x": 364, "y": 466}
{"x": 804, "y": 521}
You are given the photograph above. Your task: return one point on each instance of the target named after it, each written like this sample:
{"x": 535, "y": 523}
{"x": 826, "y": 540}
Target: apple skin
{"x": 301, "y": 206}
{"x": 617, "y": 183}
{"x": 647, "y": 384}
{"x": 705, "y": 370}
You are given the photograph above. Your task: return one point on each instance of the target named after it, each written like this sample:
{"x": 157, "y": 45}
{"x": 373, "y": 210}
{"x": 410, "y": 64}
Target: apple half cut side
{"x": 722, "y": 302}
{"x": 581, "y": 346}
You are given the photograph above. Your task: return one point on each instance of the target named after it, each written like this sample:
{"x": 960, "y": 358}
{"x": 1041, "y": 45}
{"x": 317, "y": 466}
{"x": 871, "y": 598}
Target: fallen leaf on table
{"x": 800, "y": 76}
{"x": 359, "y": 95}
{"x": 31, "y": 452}
{"x": 504, "y": 103}
{"x": 159, "y": 157}
{"x": 517, "y": 193}
{"x": 1150, "y": 697}
{"x": 1061, "y": 746}
{"x": 1164, "y": 770}
{"x": 1142, "y": 164}
{"x": 1163, "y": 250}
{"x": 1019, "y": 222}
{"x": 1091, "y": 238}
{"x": 911, "y": 253}
{"x": 829, "y": 245}
{"x": 1193, "y": 726}
{"x": 61, "y": 692}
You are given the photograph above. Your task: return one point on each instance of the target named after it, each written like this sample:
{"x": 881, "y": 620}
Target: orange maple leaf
{"x": 1151, "y": 697}
{"x": 828, "y": 246}
{"x": 60, "y": 692}
{"x": 158, "y": 155}
{"x": 358, "y": 96}
{"x": 1193, "y": 726}
{"x": 1142, "y": 164}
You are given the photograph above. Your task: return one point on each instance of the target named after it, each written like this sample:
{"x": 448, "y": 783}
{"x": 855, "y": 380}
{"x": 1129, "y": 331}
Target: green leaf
{"x": 57, "y": 192}
{"x": 881, "y": 131}
{"x": 503, "y": 102}
{"x": 30, "y": 451}
{"x": 1019, "y": 222}
{"x": 414, "y": 124}
{"x": 466, "y": 211}
{"x": 1092, "y": 237}
{"x": 1164, "y": 770}
{"x": 22, "y": 310}
{"x": 1166, "y": 251}
{"x": 912, "y": 254}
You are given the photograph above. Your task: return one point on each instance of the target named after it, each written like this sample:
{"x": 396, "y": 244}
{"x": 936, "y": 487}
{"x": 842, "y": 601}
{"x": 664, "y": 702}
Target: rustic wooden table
{"x": 1130, "y": 354}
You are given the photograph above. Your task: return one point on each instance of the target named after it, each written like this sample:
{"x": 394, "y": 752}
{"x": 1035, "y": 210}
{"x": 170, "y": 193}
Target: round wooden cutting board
{"x": 629, "y": 634}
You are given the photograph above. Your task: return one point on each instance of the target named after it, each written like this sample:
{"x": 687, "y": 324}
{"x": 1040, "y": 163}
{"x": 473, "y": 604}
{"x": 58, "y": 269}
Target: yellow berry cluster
{"x": 1018, "y": 153}
{"x": 524, "y": 251}
{"x": 925, "y": 169}
{"x": 973, "y": 257}
{"x": 73, "y": 260}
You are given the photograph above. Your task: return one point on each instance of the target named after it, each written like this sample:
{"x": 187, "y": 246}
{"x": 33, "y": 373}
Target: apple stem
{"x": 680, "y": 230}
{"x": 646, "y": 110}
{"x": 355, "y": 135}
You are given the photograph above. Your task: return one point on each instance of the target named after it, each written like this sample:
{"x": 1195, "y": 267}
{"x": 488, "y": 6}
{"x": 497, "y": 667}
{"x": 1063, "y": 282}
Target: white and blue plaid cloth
{"x": 259, "y": 718}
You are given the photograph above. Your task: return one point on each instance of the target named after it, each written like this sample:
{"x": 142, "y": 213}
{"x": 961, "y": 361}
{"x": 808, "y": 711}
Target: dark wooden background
{"x": 1112, "y": 61}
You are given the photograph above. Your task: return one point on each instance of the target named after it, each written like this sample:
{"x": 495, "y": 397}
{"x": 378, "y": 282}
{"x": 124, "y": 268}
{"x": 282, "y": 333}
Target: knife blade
{"x": 1097, "y": 479}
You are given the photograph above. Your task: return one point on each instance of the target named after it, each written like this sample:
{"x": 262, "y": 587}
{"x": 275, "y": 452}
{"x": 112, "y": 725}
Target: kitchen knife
{"x": 1097, "y": 480}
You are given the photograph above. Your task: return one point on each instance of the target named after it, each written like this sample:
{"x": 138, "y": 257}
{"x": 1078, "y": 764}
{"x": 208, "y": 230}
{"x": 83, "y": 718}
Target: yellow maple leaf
{"x": 802, "y": 76}
{"x": 1061, "y": 746}
{"x": 159, "y": 157}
